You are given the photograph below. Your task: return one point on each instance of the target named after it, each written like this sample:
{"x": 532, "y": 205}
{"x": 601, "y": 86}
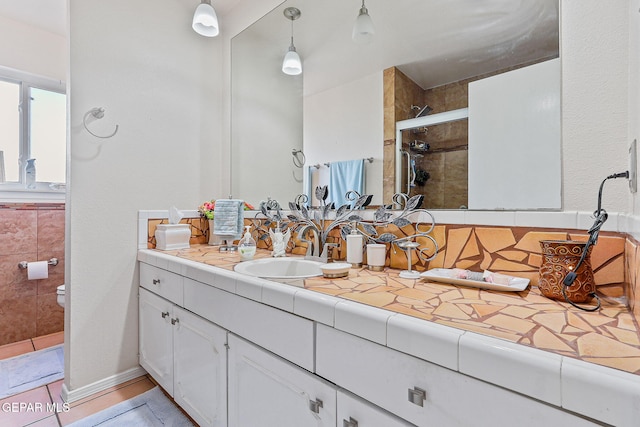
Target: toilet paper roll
{"x": 37, "y": 270}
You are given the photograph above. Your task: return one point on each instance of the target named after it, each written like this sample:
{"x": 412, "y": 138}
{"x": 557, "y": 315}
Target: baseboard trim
{"x": 70, "y": 396}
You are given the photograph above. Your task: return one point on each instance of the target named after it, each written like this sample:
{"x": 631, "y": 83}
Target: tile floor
{"x": 50, "y": 394}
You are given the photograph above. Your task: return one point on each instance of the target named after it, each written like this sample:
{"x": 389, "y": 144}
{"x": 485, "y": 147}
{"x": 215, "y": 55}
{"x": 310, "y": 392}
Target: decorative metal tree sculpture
{"x": 322, "y": 220}
{"x": 326, "y": 218}
{"x": 385, "y": 216}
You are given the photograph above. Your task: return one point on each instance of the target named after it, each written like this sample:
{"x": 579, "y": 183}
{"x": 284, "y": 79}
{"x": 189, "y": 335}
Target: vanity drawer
{"x": 162, "y": 282}
{"x": 423, "y": 393}
{"x": 355, "y": 412}
{"x": 289, "y": 336}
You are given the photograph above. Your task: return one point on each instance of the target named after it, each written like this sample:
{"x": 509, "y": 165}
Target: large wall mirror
{"x": 338, "y": 109}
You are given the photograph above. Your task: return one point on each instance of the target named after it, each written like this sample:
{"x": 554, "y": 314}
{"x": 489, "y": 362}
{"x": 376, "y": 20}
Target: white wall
{"x": 514, "y": 139}
{"x": 30, "y": 49}
{"x": 346, "y": 123}
{"x": 634, "y": 83}
{"x": 594, "y": 50}
{"x": 160, "y": 82}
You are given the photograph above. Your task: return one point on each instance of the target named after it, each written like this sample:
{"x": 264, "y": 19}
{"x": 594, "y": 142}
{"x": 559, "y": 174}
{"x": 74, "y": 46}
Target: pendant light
{"x": 205, "y": 20}
{"x": 363, "y": 28}
{"x": 292, "y": 65}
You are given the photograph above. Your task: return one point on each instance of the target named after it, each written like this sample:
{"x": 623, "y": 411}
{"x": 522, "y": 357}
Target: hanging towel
{"x": 228, "y": 217}
{"x": 343, "y": 177}
{"x": 307, "y": 191}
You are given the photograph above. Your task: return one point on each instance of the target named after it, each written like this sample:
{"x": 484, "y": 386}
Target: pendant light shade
{"x": 205, "y": 20}
{"x": 363, "y": 28}
{"x": 292, "y": 65}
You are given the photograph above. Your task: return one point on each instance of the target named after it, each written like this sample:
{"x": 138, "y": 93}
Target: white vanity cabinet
{"x": 422, "y": 392}
{"x": 186, "y": 355}
{"x": 353, "y": 411}
{"x": 229, "y": 360}
{"x": 285, "y": 334}
{"x": 265, "y": 390}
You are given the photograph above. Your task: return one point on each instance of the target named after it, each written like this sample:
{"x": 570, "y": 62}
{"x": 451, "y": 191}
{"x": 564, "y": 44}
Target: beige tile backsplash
{"x": 30, "y": 232}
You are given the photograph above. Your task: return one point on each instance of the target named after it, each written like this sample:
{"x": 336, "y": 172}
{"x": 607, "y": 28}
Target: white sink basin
{"x": 280, "y": 268}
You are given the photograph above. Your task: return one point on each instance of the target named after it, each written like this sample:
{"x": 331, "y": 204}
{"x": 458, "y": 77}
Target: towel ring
{"x": 97, "y": 113}
{"x": 299, "y": 158}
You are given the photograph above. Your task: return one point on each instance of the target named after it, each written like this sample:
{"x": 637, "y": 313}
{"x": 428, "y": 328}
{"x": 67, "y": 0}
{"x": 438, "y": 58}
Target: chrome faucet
{"x": 313, "y": 246}
{"x": 327, "y": 252}
{"x": 322, "y": 220}
{"x": 325, "y": 256}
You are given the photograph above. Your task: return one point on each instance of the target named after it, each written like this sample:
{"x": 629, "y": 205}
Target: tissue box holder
{"x": 172, "y": 236}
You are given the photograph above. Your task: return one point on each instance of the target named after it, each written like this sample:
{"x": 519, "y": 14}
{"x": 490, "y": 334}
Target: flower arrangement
{"x": 206, "y": 209}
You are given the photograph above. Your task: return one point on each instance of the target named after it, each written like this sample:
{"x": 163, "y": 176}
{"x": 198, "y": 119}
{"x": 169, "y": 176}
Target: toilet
{"x": 60, "y": 292}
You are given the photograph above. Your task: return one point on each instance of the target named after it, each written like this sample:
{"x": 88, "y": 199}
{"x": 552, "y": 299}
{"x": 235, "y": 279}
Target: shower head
{"x": 419, "y": 146}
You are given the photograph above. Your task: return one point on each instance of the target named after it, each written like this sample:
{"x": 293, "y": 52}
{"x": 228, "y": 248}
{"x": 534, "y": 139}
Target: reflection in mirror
{"x": 437, "y": 168}
{"x": 266, "y": 111}
{"x": 341, "y": 97}
{"x": 505, "y": 156}
{"x": 432, "y": 158}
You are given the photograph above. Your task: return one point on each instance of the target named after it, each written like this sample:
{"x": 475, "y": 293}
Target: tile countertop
{"x": 468, "y": 330}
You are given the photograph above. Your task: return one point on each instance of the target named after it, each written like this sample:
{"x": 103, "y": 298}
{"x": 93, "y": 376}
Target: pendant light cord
{"x": 292, "y": 19}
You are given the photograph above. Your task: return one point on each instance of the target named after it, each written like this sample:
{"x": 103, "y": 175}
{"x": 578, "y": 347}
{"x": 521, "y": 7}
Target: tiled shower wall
{"x": 30, "y": 232}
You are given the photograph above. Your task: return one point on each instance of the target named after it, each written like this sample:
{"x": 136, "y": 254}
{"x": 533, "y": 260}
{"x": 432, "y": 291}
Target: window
{"x": 32, "y": 126}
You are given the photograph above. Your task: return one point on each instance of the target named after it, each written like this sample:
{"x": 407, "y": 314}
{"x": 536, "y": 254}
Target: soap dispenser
{"x": 354, "y": 247}
{"x": 247, "y": 245}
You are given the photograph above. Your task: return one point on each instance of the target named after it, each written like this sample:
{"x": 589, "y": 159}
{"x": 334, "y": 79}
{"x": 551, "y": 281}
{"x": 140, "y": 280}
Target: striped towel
{"x": 228, "y": 217}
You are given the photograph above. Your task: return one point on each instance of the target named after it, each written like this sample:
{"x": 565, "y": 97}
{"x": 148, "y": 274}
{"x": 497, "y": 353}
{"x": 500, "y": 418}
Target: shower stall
{"x": 431, "y": 158}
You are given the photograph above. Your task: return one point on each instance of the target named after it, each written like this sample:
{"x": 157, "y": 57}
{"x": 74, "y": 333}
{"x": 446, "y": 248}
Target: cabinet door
{"x": 267, "y": 391}
{"x": 200, "y": 368}
{"x": 355, "y": 412}
{"x": 156, "y": 338}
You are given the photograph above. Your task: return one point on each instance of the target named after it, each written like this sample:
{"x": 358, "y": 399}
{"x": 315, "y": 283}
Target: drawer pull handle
{"x": 156, "y": 281}
{"x": 165, "y": 314}
{"x": 174, "y": 321}
{"x": 315, "y": 405}
{"x": 417, "y": 396}
{"x": 350, "y": 423}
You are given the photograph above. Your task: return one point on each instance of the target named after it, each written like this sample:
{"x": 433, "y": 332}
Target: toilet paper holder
{"x": 23, "y": 264}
